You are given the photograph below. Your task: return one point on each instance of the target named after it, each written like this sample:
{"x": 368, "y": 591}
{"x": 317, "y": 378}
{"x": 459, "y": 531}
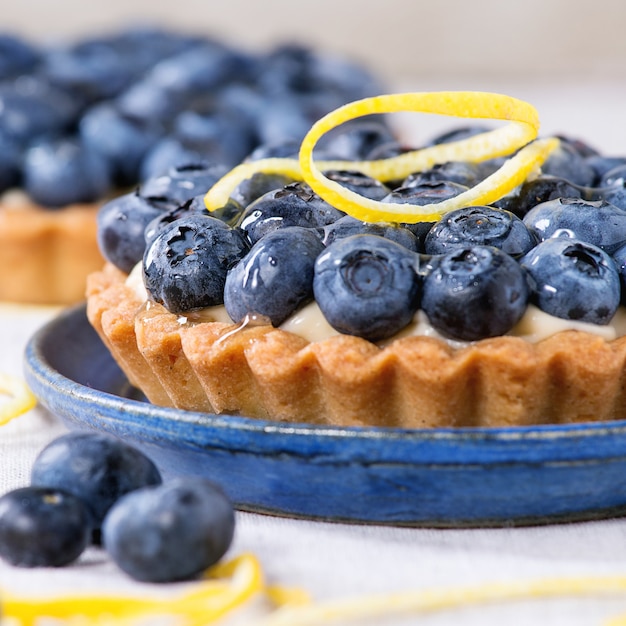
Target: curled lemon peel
{"x": 226, "y": 587}
{"x": 519, "y": 134}
{"x": 20, "y": 398}
{"x": 385, "y": 605}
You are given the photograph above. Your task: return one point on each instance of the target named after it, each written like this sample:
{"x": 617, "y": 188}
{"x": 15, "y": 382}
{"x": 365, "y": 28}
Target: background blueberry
{"x": 43, "y": 527}
{"x": 94, "y": 467}
{"x": 359, "y": 183}
{"x": 64, "y": 171}
{"x": 276, "y": 277}
{"x": 573, "y": 280}
{"x": 474, "y": 292}
{"x": 367, "y": 286}
{"x": 185, "y": 266}
{"x": 171, "y": 532}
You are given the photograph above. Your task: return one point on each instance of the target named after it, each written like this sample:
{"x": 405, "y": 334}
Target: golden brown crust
{"x": 46, "y": 255}
{"x": 414, "y": 382}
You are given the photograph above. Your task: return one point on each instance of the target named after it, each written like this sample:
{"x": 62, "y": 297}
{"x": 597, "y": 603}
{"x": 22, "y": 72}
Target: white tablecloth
{"x": 339, "y": 561}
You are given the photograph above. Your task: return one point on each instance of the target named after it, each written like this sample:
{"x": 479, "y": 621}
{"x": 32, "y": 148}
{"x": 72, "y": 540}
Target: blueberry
{"x": 458, "y": 134}
{"x": 347, "y": 226}
{"x": 566, "y": 162}
{"x": 122, "y": 141}
{"x": 185, "y": 266}
{"x": 121, "y": 225}
{"x": 536, "y": 191}
{"x": 42, "y": 527}
{"x": 355, "y": 140}
{"x": 601, "y": 165}
{"x": 422, "y": 194}
{"x": 359, "y": 183}
{"x": 612, "y": 186}
{"x": 32, "y": 107}
{"x": 64, "y": 171}
{"x": 17, "y": 56}
{"x": 479, "y": 225}
{"x": 460, "y": 172}
{"x": 275, "y": 278}
{"x": 218, "y": 138}
{"x": 166, "y": 154}
{"x": 183, "y": 183}
{"x": 171, "y": 532}
{"x": 144, "y": 100}
{"x": 598, "y": 223}
{"x": 619, "y": 258}
{"x": 474, "y": 292}
{"x": 229, "y": 214}
{"x": 573, "y": 280}
{"x": 293, "y": 205}
{"x": 367, "y": 286}
{"x": 260, "y": 183}
{"x": 94, "y": 467}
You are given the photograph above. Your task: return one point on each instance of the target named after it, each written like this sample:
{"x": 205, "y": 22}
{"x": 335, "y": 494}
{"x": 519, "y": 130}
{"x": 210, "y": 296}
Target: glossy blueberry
{"x": 121, "y": 225}
{"x": 42, "y": 527}
{"x": 183, "y": 182}
{"x": 171, "y": 532}
{"x": 367, "y": 286}
{"x": 121, "y": 140}
{"x": 64, "y": 171}
{"x": 598, "y": 223}
{"x": 275, "y": 278}
{"x": 473, "y": 293}
{"x": 359, "y": 183}
{"x": 347, "y": 226}
{"x": 536, "y": 191}
{"x": 94, "y": 467}
{"x": 612, "y": 186}
{"x": 479, "y": 225}
{"x": 185, "y": 266}
{"x": 573, "y": 280}
{"x": 293, "y": 205}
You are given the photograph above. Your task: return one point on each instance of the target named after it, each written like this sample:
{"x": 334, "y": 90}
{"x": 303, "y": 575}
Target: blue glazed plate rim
{"x": 50, "y": 384}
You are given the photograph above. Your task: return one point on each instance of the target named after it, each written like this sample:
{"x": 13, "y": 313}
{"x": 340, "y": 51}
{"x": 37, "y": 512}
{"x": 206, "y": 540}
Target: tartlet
{"x": 414, "y": 382}
{"x": 184, "y": 359}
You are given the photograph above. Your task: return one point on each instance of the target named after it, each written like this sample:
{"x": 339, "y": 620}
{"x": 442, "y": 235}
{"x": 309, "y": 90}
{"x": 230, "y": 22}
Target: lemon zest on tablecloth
{"x": 520, "y": 134}
{"x": 15, "y": 398}
{"x": 226, "y": 587}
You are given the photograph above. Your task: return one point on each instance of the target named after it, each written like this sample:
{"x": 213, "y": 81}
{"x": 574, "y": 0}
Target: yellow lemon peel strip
{"x": 20, "y": 398}
{"x": 521, "y": 130}
{"x": 371, "y": 607}
{"x": 229, "y": 586}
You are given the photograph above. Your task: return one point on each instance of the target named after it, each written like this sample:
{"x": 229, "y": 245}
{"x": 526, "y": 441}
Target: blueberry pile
{"x": 557, "y": 241}
{"x": 92, "y": 489}
{"x": 87, "y": 118}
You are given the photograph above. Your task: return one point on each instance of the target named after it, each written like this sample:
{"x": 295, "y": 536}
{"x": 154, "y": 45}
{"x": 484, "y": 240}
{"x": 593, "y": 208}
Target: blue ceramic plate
{"x": 441, "y": 477}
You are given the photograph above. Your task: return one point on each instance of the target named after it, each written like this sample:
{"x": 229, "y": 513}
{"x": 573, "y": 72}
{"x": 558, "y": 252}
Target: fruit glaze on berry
{"x": 545, "y": 256}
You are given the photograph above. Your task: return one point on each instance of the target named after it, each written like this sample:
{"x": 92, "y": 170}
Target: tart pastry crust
{"x": 413, "y": 382}
{"x": 46, "y": 255}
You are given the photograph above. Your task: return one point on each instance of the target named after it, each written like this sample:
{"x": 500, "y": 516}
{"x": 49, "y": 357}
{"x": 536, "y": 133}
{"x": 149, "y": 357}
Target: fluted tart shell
{"x": 413, "y": 382}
